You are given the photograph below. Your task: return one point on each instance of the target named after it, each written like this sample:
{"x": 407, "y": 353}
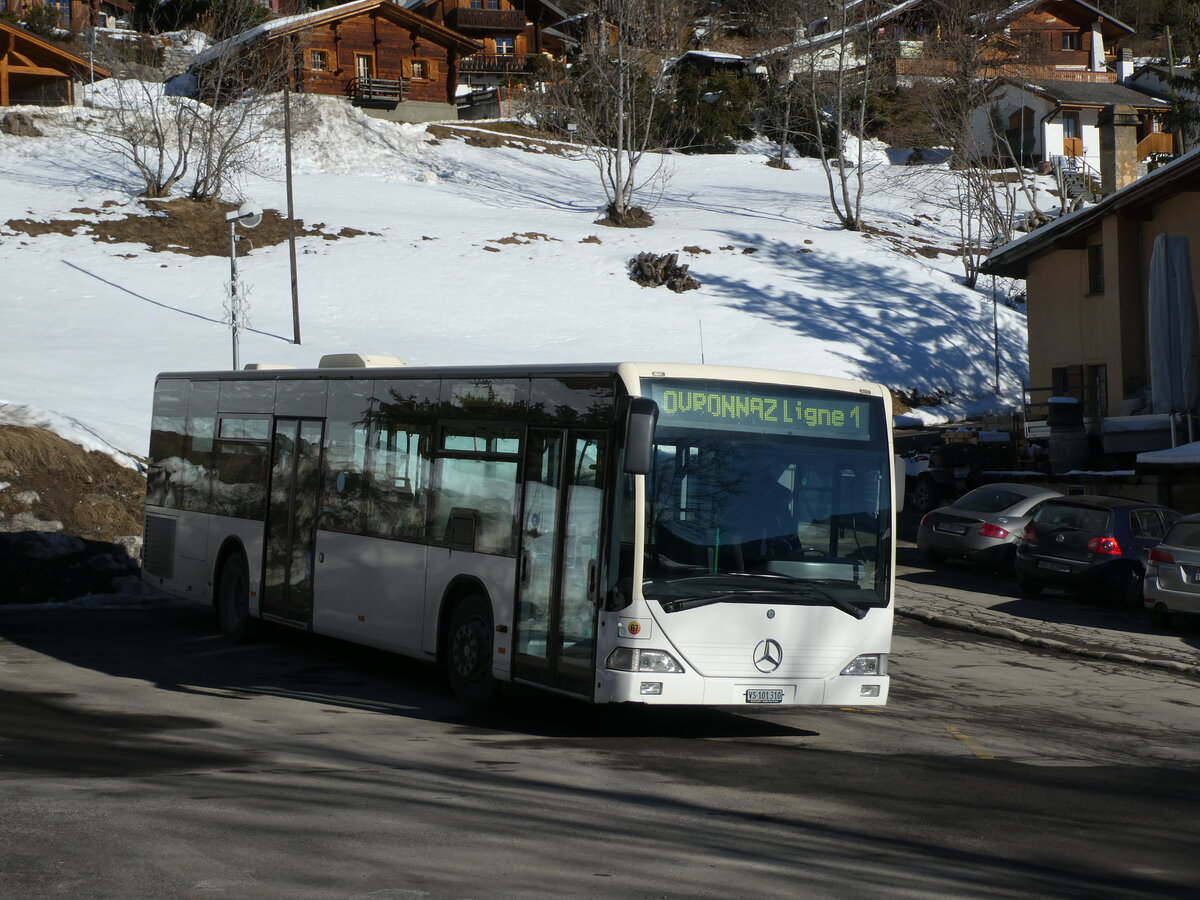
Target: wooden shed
{"x": 377, "y": 54}
{"x": 34, "y": 71}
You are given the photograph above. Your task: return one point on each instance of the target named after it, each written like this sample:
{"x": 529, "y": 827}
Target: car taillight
{"x": 924, "y": 520}
{"x": 1108, "y": 546}
{"x": 992, "y": 531}
{"x": 1158, "y": 555}
{"x": 1029, "y": 534}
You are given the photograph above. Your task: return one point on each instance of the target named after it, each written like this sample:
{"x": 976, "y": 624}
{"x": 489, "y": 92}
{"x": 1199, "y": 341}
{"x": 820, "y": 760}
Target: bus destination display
{"x": 730, "y": 406}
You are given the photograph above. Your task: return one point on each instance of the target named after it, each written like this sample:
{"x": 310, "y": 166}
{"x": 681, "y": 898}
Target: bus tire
{"x": 233, "y": 600}
{"x": 469, "y": 651}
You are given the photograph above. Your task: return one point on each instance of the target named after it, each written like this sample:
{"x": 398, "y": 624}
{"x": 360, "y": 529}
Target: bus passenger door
{"x": 292, "y": 521}
{"x": 558, "y": 568}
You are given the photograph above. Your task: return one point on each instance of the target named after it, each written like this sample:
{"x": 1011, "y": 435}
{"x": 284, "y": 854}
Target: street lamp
{"x": 248, "y": 216}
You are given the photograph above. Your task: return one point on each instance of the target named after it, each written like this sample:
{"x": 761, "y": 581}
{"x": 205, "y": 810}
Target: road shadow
{"x": 176, "y": 648}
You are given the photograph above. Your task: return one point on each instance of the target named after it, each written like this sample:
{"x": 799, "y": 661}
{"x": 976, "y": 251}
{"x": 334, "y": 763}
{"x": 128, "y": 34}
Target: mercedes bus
{"x": 631, "y": 532}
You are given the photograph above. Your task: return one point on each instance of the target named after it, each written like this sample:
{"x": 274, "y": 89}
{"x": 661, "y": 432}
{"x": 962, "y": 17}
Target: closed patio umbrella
{"x": 1173, "y": 336}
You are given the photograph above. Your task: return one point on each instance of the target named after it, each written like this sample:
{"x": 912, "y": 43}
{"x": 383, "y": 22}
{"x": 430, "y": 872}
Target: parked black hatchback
{"x": 1090, "y": 544}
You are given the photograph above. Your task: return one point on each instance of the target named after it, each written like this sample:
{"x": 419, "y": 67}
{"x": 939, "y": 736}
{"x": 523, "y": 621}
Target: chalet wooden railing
{"x": 465, "y": 19}
{"x": 495, "y": 64}
{"x": 1155, "y": 142}
{"x": 377, "y": 90}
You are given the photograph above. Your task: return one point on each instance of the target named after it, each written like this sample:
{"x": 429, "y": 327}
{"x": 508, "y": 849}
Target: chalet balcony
{"x": 495, "y": 63}
{"x": 485, "y": 21}
{"x": 377, "y": 93}
{"x": 1156, "y": 143}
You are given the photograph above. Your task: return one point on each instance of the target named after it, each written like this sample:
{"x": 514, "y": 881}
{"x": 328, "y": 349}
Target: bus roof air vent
{"x": 252, "y": 367}
{"x": 360, "y": 361}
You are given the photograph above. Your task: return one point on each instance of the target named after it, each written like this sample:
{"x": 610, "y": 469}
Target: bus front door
{"x": 558, "y": 570}
{"x": 292, "y": 521}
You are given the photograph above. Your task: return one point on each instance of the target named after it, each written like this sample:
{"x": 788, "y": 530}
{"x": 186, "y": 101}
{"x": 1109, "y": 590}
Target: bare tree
{"x": 971, "y": 47}
{"x": 206, "y": 125}
{"x": 618, "y": 93}
{"x": 839, "y": 77}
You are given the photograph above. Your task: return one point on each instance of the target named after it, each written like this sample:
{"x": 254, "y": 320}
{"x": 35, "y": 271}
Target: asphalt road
{"x": 141, "y": 755}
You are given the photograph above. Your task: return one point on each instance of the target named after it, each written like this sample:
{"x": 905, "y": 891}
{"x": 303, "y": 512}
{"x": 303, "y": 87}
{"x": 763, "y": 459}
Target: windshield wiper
{"x": 815, "y": 596}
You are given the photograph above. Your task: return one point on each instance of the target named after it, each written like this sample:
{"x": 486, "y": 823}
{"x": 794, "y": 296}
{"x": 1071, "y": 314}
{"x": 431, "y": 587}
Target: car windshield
{"x": 989, "y": 499}
{"x": 736, "y": 516}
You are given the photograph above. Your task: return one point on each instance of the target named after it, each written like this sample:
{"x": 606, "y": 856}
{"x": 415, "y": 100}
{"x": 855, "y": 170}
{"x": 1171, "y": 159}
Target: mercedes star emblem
{"x": 768, "y": 655}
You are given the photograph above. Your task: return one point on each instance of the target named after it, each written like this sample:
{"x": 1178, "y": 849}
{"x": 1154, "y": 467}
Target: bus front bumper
{"x": 686, "y": 689}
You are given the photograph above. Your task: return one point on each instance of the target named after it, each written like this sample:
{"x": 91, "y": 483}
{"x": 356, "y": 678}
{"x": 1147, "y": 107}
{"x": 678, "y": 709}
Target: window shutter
{"x": 431, "y": 70}
{"x": 406, "y": 68}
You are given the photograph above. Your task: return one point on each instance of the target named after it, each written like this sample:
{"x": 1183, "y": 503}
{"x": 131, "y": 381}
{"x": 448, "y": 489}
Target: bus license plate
{"x": 761, "y": 695}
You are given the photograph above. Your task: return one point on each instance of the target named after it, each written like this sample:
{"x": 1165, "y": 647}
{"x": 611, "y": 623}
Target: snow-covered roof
{"x": 829, "y": 37}
{"x": 288, "y": 24}
{"x": 1011, "y": 259}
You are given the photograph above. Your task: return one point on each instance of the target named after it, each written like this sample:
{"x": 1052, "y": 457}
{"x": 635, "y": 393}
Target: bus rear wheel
{"x": 469, "y": 651}
{"x": 233, "y": 600}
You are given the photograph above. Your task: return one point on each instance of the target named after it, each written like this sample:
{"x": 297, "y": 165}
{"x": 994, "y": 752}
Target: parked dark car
{"x": 1172, "y": 583}
{"x": 982, "y": 526}
{"x": 1090, "y": 544}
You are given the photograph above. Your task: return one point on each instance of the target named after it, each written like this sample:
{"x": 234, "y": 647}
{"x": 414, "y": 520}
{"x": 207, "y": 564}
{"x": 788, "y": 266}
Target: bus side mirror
{"x": 639, "y": 435}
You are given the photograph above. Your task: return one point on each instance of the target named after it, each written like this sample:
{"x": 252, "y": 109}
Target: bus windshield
{"x": 769, "y": 511}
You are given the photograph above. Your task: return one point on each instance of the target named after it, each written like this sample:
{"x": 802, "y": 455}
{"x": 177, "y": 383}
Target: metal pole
{"x": 291, "y": 222}
{"x": 233, "y": 291}
{"x": 996, "y": 335}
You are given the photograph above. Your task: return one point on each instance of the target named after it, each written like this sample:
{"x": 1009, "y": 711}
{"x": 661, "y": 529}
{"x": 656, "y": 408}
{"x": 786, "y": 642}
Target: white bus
{"x": 648, "y": 533}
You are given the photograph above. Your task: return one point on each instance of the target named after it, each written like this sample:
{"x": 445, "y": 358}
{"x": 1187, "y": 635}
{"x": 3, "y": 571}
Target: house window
{"x": 1071, "y": 128}
{"x": 505, "y": 46}
{"x": 1070, "y": 40}
{"x": 318, "y": 61}
{"x": 420, "y": 68}
{"x": 364, "y": 65}
{"x": 64, "y": 10}
{"x": 1095, "y": 264}
{"x": 485, "y": 4}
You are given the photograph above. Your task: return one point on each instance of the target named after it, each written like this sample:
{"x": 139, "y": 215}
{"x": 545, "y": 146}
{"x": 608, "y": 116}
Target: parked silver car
{"x": 983, "y": 525}
{"x": 1172, "y": 582}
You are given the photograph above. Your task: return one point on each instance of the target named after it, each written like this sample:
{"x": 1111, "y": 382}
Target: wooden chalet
{"x": 383, "y": 57}
{"x": 76, "y": 15}
{"x": 516, "y": 35}
{"x": 1053, "y": 40}
{"x": 36, "y": 72}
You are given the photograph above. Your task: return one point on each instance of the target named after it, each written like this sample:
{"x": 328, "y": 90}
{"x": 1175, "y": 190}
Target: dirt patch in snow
{"x": 503, "y": 134}
{"x": 190, "y": 227}
{"x": 50, "y": 479}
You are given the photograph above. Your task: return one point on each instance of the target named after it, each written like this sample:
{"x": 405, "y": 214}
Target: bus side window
{"x": 241, "y": 467}
{"x": 345, "y": 463}
{"x": 488, "y": 486}
{"x": 397, "y": 480}
{"x": 168, "y": 443}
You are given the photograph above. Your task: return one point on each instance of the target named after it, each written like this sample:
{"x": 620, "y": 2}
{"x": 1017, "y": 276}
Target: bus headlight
{"x": 629, "y": 659}
{"x": 867, "y": 664}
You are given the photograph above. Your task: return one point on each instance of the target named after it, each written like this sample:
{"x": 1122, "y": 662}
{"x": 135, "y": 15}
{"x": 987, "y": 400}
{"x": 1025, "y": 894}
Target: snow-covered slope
{"x": 86, "y": 325}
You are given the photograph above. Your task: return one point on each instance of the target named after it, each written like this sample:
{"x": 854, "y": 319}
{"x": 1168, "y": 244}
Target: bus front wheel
{"x": 469, "y": 651}
{"x": 233, "y": 600}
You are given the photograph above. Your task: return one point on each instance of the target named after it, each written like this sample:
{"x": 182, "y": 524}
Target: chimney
{"x": 1118, "y": 126}
{"x": 1125, "y": 66}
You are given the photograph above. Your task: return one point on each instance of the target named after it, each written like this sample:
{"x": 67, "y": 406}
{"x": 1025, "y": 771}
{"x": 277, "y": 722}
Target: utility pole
{"x": 291, "y": 221}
